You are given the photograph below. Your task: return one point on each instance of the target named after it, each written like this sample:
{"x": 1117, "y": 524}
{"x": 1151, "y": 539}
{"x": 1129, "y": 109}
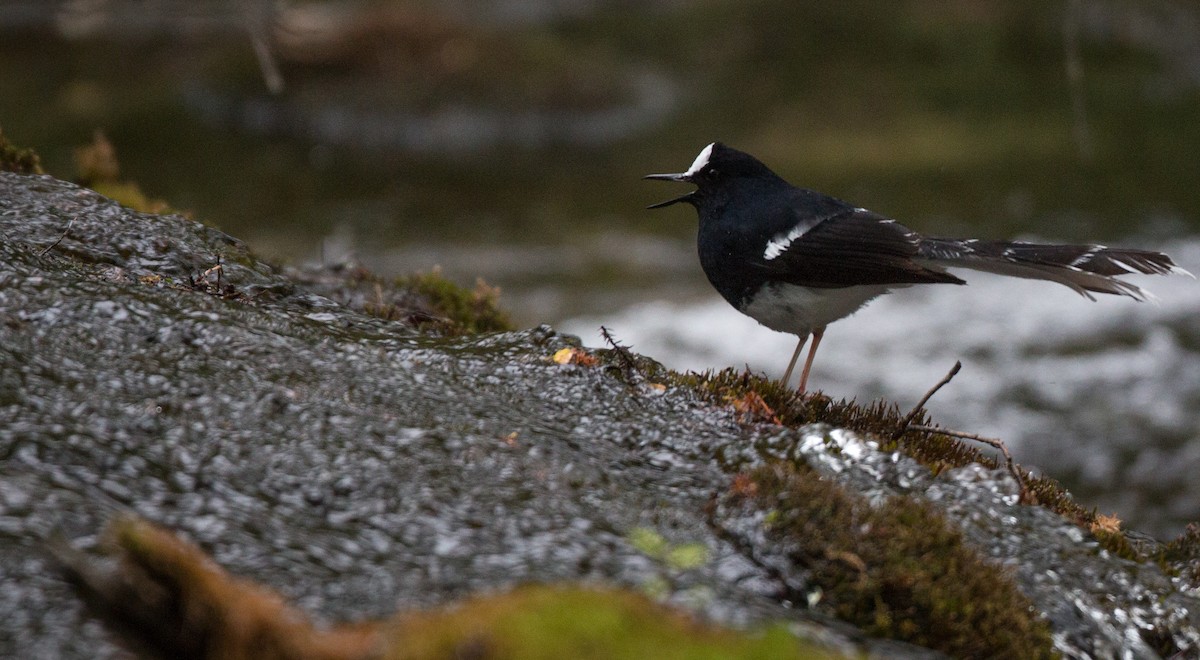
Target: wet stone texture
{"x": 359, "y": 467}
{"x": 1099, "y": 605}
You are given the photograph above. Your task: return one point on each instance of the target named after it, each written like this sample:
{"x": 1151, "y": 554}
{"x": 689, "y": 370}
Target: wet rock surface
{"x": 360, "y": 468}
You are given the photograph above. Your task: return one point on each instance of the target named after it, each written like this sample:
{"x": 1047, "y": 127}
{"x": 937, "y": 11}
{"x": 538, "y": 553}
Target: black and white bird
{"x": 796, "y": 260}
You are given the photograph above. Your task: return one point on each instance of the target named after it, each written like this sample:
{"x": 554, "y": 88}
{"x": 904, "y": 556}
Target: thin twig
{"x": 622, "y": 352}
{"x": 912, "y": 414}
{"x": 60, "y": 239}
{"x": 1026, "y": 496}
{"x": 631, "y": 369}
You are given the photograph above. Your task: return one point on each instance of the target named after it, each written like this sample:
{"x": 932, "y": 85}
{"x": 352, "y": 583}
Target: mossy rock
{"x": 458, "y": 310}
{"x": 427, "y": 301}
{"x": 779, "y": 404}
{"x": 897, "y": 570}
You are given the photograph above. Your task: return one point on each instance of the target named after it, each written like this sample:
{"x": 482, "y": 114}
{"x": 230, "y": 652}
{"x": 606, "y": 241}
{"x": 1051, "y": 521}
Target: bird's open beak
{"x": 682, "y": 176}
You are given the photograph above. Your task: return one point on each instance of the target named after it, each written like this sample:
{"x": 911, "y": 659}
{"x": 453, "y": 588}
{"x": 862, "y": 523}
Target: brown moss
{"x": 98, "y": 168}
{"x": 880, "y": 419}
{"x": 169, "y": 600}
{"x": 431, "y": 302}
{"x": 458, "y": 310}
{"x": 427, "y": 301}
{"x": 18, "y": 159}
{"x": 896, "y": 570}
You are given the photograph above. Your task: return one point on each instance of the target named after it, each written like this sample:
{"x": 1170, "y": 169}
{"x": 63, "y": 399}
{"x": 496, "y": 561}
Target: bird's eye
{"x": 714, "y": 172}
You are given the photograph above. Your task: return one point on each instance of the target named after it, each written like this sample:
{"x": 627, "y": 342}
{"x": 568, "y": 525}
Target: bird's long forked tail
{"x": 1086, "y": 269}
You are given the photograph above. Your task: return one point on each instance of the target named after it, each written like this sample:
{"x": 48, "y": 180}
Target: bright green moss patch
{"x": 678, "y": 557}
{"x": 898, "y": 570}
{"x": 18, "y": 159}
{"x": 573, "y": 622}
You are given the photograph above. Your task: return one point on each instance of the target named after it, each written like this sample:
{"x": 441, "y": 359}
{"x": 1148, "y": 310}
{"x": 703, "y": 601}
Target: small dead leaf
{"x": 575, "y": 356}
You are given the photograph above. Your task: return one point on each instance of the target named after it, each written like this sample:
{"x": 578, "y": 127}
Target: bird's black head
{"x": 716, "y": 166}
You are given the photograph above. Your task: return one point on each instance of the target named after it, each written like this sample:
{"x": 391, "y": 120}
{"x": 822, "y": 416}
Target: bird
{"x": 796, "y": 260}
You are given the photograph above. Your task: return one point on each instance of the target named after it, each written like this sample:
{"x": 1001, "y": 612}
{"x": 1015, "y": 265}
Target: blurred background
{"x": 505, "y": 139}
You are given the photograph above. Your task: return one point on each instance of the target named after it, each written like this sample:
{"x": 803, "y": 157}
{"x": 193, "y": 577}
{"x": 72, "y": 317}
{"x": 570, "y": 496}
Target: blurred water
{"x": 1103, "y": 395}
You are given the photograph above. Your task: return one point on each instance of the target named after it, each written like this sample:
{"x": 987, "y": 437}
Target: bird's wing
{"x": 846, "y": 247}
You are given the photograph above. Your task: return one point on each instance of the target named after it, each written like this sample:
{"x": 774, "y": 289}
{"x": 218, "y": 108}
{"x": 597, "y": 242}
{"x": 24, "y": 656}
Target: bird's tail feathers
{"x": 1083, "y": 268}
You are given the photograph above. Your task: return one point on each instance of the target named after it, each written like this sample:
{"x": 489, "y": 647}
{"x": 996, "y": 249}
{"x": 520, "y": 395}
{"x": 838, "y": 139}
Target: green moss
{"x": 1115, "y": 541}
{"x": 679, "y": 557}
{"x": 130, "y": 195}
{"x": 1183, "y": 554}
{"x": 18, "y": 159}
{"x": 427, "y": 301}
{"x": 459, "y": 310}
{"x": 896, "y": 570}
{"x": 573, "y": 622}
{"x": 1180, "y": 558}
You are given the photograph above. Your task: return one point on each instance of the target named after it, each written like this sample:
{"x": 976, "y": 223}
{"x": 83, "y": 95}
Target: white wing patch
{"x": 1087, "y": 256}
{"x": 778, "y": 245}
{"x": 700, "y": 161}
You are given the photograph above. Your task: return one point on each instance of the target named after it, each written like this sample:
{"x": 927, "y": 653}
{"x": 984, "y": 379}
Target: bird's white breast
{"x": 800, "y": 309}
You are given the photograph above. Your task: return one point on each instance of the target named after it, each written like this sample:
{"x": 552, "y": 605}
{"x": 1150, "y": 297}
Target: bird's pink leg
{"x": 812, "y": 352}
{"x": 787, "y": 375}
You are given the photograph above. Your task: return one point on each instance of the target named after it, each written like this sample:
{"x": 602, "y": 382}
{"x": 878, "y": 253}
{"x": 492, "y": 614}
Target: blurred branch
{"x": 75, "y": 19}
{"x": 1073, "y": 61}
{"x": 260, "y": 18}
